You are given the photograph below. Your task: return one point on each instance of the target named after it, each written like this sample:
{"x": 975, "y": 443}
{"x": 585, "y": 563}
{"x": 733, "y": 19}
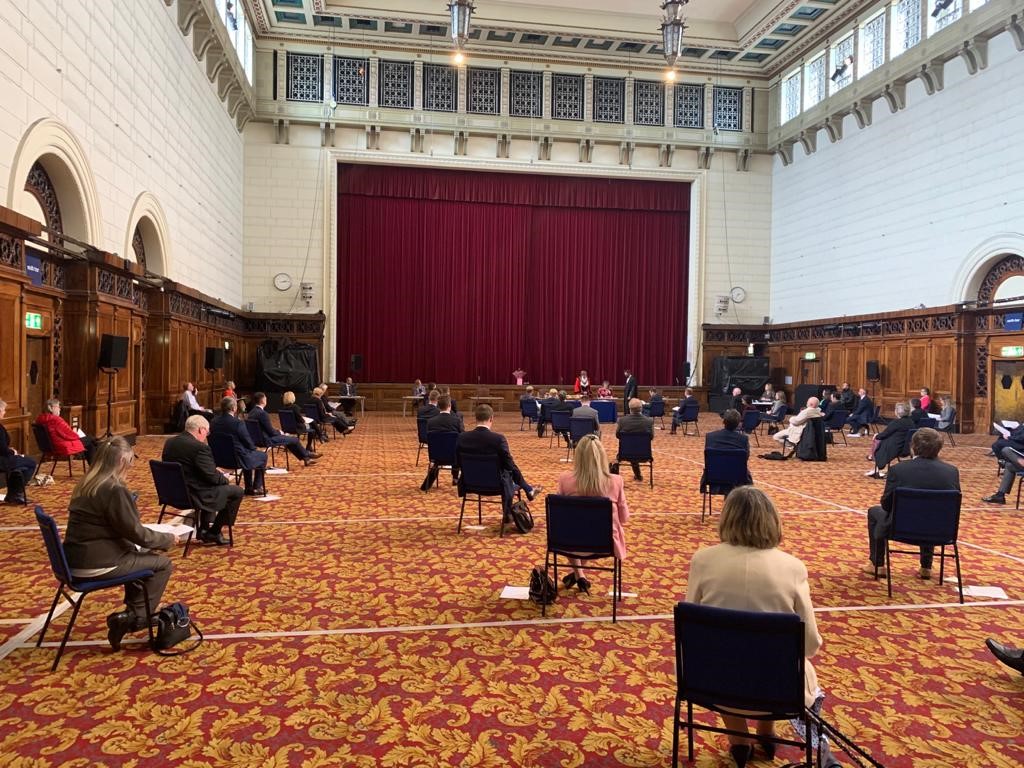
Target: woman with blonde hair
{"x": 288, "y": 403}
{"x": 748, "y": 572}
{"x": 590, "y": 477}
{"x": 104, "y": 537}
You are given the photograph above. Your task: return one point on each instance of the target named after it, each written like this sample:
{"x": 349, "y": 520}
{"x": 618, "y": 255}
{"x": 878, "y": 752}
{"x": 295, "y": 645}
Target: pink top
{"x": 925, "y": 402}
{"x": 620, "y": 510}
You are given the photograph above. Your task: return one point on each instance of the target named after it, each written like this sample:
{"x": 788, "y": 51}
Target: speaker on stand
{"x": 113, "y": 357}
{"x": 873, "y": 374}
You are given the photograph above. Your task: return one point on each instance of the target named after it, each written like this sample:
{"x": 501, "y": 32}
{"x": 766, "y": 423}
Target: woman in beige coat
{"x": 748, "y": 572}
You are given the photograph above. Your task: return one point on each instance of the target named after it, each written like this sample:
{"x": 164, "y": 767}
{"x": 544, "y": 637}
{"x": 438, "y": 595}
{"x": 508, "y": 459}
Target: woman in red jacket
{"x": 65, "y": 441}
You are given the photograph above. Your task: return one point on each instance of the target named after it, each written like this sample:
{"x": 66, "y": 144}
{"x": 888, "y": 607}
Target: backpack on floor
{"x": 542, "y": 587}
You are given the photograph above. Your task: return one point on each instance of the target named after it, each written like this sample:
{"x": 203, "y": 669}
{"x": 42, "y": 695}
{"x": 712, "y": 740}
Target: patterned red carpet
{"x": 352, "y": 626}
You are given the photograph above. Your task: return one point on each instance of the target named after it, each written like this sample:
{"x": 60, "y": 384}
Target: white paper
{"x": 996, "y": 593}
{"x": 3, "y": 496}
{"x": 307, "y": 419}
{"x": 333, "y": 403}
{"x": 268, "y": 497}
{"x": 935, "y": 416}
{"x": 175, "y": 529}
{"x": 474, "y": 527}
{"x": 515, "y": 593}
{"x": 1001, "y": 430}
{"x": 276, "y": 471}
{"x": 611, "y": 593}
{"x": 80, "y": 433}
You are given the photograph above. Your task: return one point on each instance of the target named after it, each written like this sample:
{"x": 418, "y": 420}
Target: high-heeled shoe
{"x": 768, "y": 747}
{"x": 583, "y": 584}
{"x": 570, "y": 580}
{"x": 741, "y": 753}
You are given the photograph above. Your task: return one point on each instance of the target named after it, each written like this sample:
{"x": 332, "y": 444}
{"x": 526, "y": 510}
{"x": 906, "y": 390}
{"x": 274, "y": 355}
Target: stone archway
{"x": 146, "y": 238}
{"x": 986, "y": 266}
{"x": 50, "y": 167}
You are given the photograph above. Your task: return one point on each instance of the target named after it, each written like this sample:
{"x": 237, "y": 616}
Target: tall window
{"x": 946, "y": 16}
{"x": 906, "y": 25}
{"x": 841, "y": 74}
{"x": 814, "y": 77}
{"x": 791, "y": 96}
{"x": 872, "y": 44}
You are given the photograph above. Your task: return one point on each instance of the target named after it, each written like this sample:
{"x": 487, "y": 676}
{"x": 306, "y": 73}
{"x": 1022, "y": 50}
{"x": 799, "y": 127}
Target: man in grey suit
{"x": 924, "y": 471}
{"x": 584, "y": 411}
{"x": 635, "y": 422}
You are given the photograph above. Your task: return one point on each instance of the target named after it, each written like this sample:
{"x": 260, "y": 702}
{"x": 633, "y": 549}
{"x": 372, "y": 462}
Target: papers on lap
{"x": 80, "y": 433}
{"x": 307, "y": 419}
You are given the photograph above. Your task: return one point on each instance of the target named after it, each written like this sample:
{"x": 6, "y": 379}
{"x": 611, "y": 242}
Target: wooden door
{"x": 38, "y": 373}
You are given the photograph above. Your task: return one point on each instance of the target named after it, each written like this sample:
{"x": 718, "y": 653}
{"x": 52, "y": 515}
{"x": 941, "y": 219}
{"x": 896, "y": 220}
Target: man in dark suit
{"x": 584, "y": 411}
{"x": 737, "y": 400}
{"x": 862, "y": 414}
{"x": 482, "y": 441}
{"x": 348, "y": 391}
{"x": 924, "y": 471}
{"x": 10, "y": 459}
{"x": 561, "y": 404}
{"x": 654, "y": 396}
{"x": 258, "y": 413}
{"x": 629, "y": 391}
{"x": 250, "y": 458}
{"x": 919, "y": 415}
{"x": 443, "y": 421}
{"x": 546, "y": 404}
{"x": 430, "y": 410}
{"x": 729, "y": 438}
{"x": 686, "y": 400}
{"x": 1013, "y": 459}
{"x": 847, "y": 397}
{"x": 632, "y": 423}
{"x": 216, "y": 496}
{"x": 831, "y": 405}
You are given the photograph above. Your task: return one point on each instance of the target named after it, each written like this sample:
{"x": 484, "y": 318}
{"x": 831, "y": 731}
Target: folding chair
{"x": 746, "y": 661}
{"x": 171, "y": 491}
{"x": 581, "y": 527}
{"x": 480, "y": 475}
{"x": 529, "y": 412}
{"x": 877, "y": 420}
{"x": 751, "y": 421}
{"x": 559, "y": 424}
{"x": 948, "y": 430}
{"x": 579, "y": 427}
{"x": 724, "y": 469}
{"x": 260, "y": 441}
{"x": 222, "y": 446}
{"x": 290, "y": 425}
{"x": 421, "y": 435}
{"x": 68, "y": 585}
{"x": 46, "y": 447}
{"x": 441, "y": 451}
{"x": 656, "y": 410}
{"x": 310, "y": 411}
{"x": 687, "y": 416}
{"x": 636, "y": 447}
{"x": 925, "y": 518}
{"x": 835, "y": 422}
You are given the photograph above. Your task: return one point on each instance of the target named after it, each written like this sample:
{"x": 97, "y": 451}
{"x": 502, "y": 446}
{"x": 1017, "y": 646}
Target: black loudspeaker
{"x": 873, "y": 374}
{"x": 686, "y": 372}
{"x": 214, "y": 359}
{"x": 113, "y": 351}
{"x": 356, "y": 362}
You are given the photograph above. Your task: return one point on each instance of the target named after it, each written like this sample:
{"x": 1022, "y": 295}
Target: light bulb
{"x": 670, "y": 75}
{"x": 458, "y": 58}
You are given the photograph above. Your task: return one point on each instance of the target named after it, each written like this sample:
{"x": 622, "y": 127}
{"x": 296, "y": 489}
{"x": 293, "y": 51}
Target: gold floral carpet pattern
{"x": 352, "y": 626}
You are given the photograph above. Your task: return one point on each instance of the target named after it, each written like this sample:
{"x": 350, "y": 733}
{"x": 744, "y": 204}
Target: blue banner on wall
{"x": 1013, "y": 321}
{"x": 33, "y": 268}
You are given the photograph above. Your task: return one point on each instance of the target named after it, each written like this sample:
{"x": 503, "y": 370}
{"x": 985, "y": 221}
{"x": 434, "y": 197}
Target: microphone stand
{"x": 111, "y": 372}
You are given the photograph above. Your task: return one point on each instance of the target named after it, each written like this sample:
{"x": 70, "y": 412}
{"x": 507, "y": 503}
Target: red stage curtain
{"x": 463, "y": 276}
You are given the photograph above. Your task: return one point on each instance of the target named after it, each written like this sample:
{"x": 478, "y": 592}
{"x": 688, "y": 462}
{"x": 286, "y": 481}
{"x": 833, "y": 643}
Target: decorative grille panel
{"x": 814, "y": 91}
{"x": 440, "y": 86}
{"x": 609, "y": 100}
{"x": 305, "y": 77}
{"x": 841, "y": 51}
{"x": 567, "y": 97}
{"x": 526, "y": 93}
{"x": 791, "y": 96}
{"x": 484, "y": 87}
{"x": 689, "y": 106}
{"x": 396, "y": 84}
{"x": 948, "y": 16}
{"x": 728, "y": 109}
{"x": 906, "y": 25}
{"x": 872, "y": 44}
{"x": 648, "y": 102}
{"x": 351, "y": 81}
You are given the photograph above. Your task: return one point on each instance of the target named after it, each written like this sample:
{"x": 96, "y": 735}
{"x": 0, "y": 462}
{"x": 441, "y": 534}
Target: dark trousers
{"x": 292, "y": 444}
{"x": 155, "y": 584}
{"x": 229, "y": 499}
{"x": 24, "y": 464}
{"x": 432, "y": 472}
{"x": 879, "y": 522}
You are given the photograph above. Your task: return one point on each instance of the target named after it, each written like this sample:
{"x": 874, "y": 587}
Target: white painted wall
{"x": 887, "y": 217}
{"x": 125, "y": 83}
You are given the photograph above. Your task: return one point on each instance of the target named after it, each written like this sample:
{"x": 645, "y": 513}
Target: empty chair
{"x": 421, "y": 436}
{"x": 559, "y": 424}
{"x": 926, "y": 519}
{"x": 46, "y": 448}
{"x": 480, "y": 476}
{"x": 222, "y": 446}
{"x": 724, "y": 469}
{"x": 529, "y": 412}
{"x": 835, "y": 422}
{"x": 687, "y": 416}
{"x": 580, "y": 527}
{"x": 440, "y": 451}
{"x": 751, "y": 421}
{"x": 579, "y": 427}
{"x": 636, "y": 447}
{"x": 68, "y": 585}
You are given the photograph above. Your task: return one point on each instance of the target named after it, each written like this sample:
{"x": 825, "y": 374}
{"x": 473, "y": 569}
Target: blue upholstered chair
{"x": 925, "y": 518}
{"x": 724, "y": 469}
{"x": 636, "y": 447}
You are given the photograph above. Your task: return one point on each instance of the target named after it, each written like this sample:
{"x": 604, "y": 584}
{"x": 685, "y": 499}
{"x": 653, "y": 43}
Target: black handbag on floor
{"x": 174, "y": 625}
{"x": 521, "y": 516}
{"x": 542, "y": 587}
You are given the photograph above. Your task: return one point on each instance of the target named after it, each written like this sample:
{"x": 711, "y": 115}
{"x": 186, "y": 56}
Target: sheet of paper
{"x": 935, "y": 416}
{"x": 1001, "y": 430}
{"x": 624, "y": 594}
{"x": 175, "y": 529}
{"x": 80, "y": 433}
{"x": 268, "y": 497}
{"x": 474, "y": 527}
{"x": 992, "y": 593}
{"x": 307, "y": 419}
{"x": 277, "y": 471}
{"x": 515, "y": 593}
{"x": 1010, "y": 424}
{"x": 333, "y": 403}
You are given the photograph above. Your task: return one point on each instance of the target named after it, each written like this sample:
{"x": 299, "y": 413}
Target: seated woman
{"x": 769, "y": 393}
{"x": 103, "y": 535}
{"x": 590, "y": 476}
{"x": 747, "y": 572}
{"x": 342, "y": 422}
{"x": 309, "y": 430}
{"x": 582, "y": 385}
{"x": 229, "y": 391}
{"x": 777, "y": 413}
{"x": 605, "y": 390}
{"x": 947, "y": 416}
{"x": 65, "y": 441}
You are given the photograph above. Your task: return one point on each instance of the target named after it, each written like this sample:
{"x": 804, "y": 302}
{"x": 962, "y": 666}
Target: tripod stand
{"x": 111, "y": 372}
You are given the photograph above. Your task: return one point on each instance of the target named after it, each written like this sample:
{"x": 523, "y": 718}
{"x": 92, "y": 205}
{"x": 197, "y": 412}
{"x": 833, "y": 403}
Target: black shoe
{"x": 309, "y": 462}
{"x": 638, "y": 477}
{"x": 570, "y": 580}
{"x": 210, "y": 537}
{"x": 741, "y": 753}
{"x": 118, "y": 625}
{"x": 534, "y": 492}
{"x": 1011, "y": 657}
{"x": 995, "y": 498}
{"x": 768, "y": 747}
{"x": 583, "y": 584}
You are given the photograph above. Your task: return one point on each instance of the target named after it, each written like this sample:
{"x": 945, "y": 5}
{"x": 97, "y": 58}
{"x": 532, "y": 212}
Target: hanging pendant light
{"x": 461, "y": 12}
{"x": 672, "y": 29}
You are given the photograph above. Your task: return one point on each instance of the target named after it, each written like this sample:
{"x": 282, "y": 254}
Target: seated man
{"x": 444, "y": 421}
{"x": 730, "y": 437}
{"x": 831, "y": 405}
{"x": 1014, "y": 463}
{"x": 584, "y": 411}
{"x": 924, "y": 471}
{"x": 677, "y": 412}
{"x": 250, "y": 458}
{"x": 546, "y": 404}
{"x": 891, "y": 442}
{"x": 563, "y": 406}
{"x": 482, "y": 441}
{"x": 10, "y": 459}
{"x": 737, "y": 400}
{"x": 348, "y": 392}
{"x": 191, "y": 404}
{"x": 64, "y": 439}
{"x": 847, "y": 397}
{"x": 430, "y": 410}
{"x": 258, "y": 413}
{"x": 215, "y": 495}
{"x": 919, "y": 415}
{"x": 632, "y": 423}
{"x": 654, "y": 396}
{"x": 863, "y": 413}
{"x": 792, "y": 433}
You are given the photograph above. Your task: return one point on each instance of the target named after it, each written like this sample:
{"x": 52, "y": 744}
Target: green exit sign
{"x": 810, "y": 355}
{"x": 1012, "y": 352}
{"x": 34, "y": 321}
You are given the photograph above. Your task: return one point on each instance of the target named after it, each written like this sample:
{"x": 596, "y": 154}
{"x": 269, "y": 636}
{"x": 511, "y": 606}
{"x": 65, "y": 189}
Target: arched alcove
{"x": 50, "y": 172}
{"x": 987, "y": 266}
{"x": 146, "y": 237}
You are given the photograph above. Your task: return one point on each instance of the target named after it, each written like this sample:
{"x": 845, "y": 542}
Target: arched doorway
{"x": 147, "y": 238}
